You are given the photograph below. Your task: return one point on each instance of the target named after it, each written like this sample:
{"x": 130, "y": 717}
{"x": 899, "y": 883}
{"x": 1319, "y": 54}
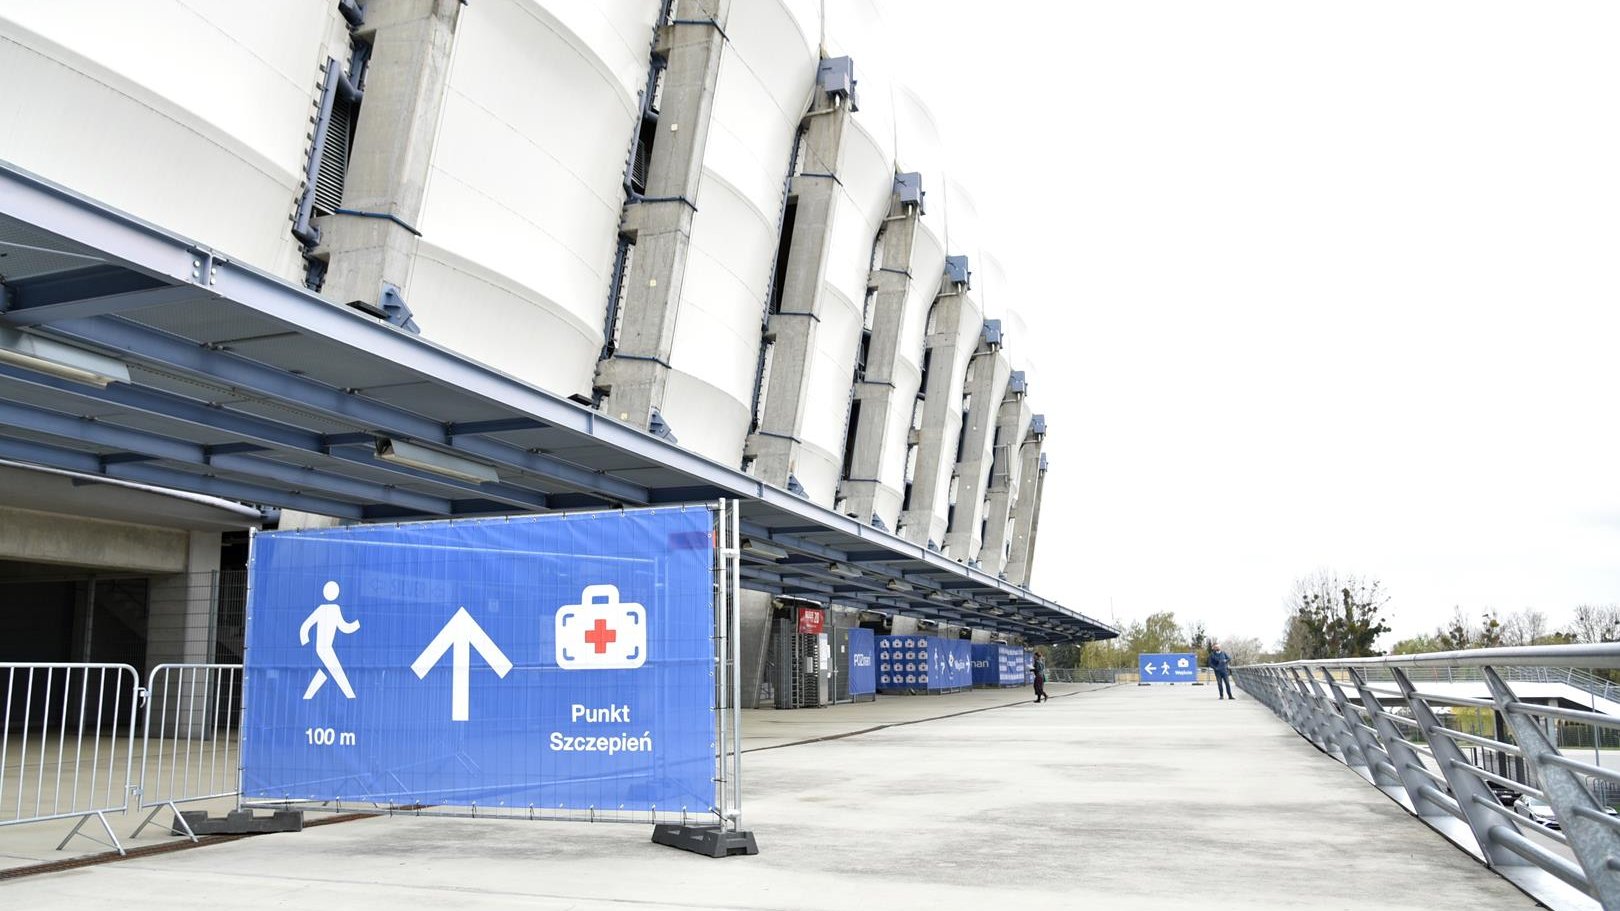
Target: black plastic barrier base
{"x": 710, "y": 841}
{"x": 238, "y": 822}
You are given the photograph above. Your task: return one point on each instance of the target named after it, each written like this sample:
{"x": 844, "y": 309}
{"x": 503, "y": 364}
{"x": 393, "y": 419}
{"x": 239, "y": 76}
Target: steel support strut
{"x": 1595, "y": 840}
{"x": 1467, "y": 788}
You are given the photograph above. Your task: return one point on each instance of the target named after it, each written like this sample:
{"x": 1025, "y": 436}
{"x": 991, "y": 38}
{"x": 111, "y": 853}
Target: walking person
{"x": 1040, "y": 676}
{"x": 1221, "y": 663}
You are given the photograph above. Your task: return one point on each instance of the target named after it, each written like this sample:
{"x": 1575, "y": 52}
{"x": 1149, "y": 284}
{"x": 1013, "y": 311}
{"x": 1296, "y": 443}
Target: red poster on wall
{"x": 812, "y": 619}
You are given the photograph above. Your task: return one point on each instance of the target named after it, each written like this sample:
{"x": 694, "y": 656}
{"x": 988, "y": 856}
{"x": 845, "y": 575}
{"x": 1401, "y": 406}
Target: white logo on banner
{"x": 601, "y": 632}
{"x": 327, "y": 620}
{"x": 1181, "y": 662}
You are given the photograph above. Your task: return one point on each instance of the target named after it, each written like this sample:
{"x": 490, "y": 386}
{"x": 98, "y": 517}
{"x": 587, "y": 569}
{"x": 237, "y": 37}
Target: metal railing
{"x": 1585, "y": 681}
{"x": 1557, "y": 842}
{"x": 67, "y": 743}
{"x": 194, "y": 711}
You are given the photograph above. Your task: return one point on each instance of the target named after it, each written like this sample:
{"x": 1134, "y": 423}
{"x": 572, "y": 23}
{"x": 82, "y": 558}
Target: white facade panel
{"x": 764, "y": 84}
{"x": 208, "y": 101}
{"x": 521, "y": 214}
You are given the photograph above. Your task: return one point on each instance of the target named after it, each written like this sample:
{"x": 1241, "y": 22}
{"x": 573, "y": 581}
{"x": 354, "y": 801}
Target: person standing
{"x": 1221, "y": 663}
{"x": 1040, "y": 676}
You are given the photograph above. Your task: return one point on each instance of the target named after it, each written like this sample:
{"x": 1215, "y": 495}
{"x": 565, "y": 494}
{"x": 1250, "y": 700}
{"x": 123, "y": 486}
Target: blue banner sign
{"x": 545, "y": 662}
{"x": 929, "y": 663}
{"x": 1175, "y": 667}
{"x": 986, "y": 668}
{"x": 862, "y": 662}
{"x": 1010, "y": 665}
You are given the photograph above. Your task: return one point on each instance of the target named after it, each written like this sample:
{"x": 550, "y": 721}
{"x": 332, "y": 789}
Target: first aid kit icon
{"x": 601, "y": 632}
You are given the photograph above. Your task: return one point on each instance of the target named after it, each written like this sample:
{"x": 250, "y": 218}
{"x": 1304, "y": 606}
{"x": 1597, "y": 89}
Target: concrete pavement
{"x": 1116, "y": 797}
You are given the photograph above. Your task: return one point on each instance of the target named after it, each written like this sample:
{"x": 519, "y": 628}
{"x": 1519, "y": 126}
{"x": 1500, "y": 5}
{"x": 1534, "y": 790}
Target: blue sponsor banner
{"x": 1173, "y": 667}
{"x": 986, "y": 664}
{"x": 553, "y": 662}
{"x": 862, "y": 662}
{"x": 913, "y": 662}
{"x": 1010, "y": 665}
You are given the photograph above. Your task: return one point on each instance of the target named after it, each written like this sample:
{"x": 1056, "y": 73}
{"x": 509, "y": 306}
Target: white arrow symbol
{"x": 1147, "y": 668}
{"x": 459, "y": 633}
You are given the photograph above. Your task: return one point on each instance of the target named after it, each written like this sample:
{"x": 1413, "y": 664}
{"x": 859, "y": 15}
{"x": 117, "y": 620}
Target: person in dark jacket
{"x": 1221, "y": 663}
{"x": 1040, "y": 676}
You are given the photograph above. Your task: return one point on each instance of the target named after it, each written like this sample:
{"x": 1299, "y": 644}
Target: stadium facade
{"x": 725, "y": 222}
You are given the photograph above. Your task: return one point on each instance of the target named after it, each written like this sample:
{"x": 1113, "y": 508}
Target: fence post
{"x": 1595, "y": 842}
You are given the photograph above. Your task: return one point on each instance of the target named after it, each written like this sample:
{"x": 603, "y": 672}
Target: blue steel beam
{"x": 89, "y": 464}
{"x": 262, "y": 432}
{"x": 111, "y": 436}
{"x": 161, "y": 349}
{"x": 22, "y": 313}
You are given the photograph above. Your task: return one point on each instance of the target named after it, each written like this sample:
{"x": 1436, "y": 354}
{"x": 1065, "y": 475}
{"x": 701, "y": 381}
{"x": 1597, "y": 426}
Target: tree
{"x": 1243, "y": 649}
{"x": 1524, "y": 627}
{"x": 1196, "y": 636}
{"x": 1457, "y": 634}
{"x": 1330, "y": 616}
{"x": 1158, "y": 633}
{"x": 1596, "y": 623}
{"x": 1490, "y": 630}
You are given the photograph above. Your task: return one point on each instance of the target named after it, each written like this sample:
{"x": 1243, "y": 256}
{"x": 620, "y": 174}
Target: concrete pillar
{"x": 411, "y": 44}
{"x": 1027, "y": 511}
{"x": 635, "y": 377}
{"x": 986, "y": 385}
{"x": 864, "y": 491}
{"x": 393, "y": 146}
{"x": 180, "y": 606}
{"x": 954, "y": 325}
{"x": 774, "y": 446}
{"x": 1012, "y": 424}
{"x": 903, "y": 626}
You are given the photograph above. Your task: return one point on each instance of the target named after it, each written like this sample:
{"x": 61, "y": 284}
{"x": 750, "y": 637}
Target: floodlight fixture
{"x": 70, "y": 362}
{"x": 763, "y": 549}
{"x": 431, "y": 460}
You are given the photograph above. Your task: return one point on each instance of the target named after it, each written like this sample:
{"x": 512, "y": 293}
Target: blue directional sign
{"x": 1175, "y": 667}
{"x": 862, "y": 662}
{"x": 553, "y": 662}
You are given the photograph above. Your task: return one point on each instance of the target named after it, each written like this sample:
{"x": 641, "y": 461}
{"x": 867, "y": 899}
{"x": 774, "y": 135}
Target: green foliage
{"x": 1417, "y": 645}
{"x": 1333, "y": 617}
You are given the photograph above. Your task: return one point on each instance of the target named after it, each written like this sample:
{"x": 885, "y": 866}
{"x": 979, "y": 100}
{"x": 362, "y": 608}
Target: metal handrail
{"x": 1411, "y": 755}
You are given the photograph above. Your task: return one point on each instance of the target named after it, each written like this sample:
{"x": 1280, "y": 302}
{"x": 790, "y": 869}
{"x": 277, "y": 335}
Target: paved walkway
{"x": 1117, "y": 797}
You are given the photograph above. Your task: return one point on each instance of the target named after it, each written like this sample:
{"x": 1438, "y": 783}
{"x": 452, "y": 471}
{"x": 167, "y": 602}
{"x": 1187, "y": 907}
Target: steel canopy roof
{"x": 246, "y": 387}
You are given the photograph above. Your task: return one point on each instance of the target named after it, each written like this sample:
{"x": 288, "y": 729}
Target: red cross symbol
{"x": 601, "y": 636}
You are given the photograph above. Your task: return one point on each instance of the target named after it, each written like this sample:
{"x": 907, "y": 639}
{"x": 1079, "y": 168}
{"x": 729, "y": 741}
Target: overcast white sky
{"x": 1315, "y": 285}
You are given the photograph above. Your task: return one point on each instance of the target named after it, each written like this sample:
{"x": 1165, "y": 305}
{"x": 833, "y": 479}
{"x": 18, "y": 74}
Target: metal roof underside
{"x": 246, "y": 387}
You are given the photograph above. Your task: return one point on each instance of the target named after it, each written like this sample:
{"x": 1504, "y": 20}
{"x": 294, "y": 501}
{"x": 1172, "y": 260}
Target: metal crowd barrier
{"x": 195, "y": 712}
{"x": 67, "y": 744}
{"x": 1393, "y": 736}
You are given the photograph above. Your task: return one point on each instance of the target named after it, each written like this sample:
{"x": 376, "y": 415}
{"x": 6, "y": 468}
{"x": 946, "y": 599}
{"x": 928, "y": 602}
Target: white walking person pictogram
{"x": 327, "y": 620}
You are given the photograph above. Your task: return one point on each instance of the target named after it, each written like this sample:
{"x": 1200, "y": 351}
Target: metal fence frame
{"x": 1420, "y": 763}
{"x": 98, "y": 800}
{"x": 199, "y": 706}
